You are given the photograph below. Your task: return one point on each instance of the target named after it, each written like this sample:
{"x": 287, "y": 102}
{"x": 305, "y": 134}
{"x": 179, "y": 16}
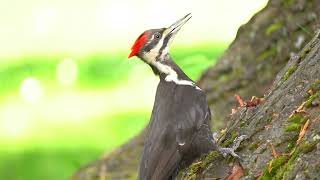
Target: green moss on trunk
{"x": 290, "y": 71}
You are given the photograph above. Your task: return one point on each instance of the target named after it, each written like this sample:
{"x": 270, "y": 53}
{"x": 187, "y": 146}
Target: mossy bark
{"x": 258, "y": 53}
{"x": 261, "y": 50}
{"x": 283, "y": 132}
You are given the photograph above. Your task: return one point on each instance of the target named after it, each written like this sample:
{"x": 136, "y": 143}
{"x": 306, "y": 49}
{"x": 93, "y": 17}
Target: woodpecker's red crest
{"x": 142, "y": 39}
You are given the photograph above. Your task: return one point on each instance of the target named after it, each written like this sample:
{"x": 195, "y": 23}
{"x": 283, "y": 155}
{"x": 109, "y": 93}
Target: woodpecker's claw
{"x": 228, "y": 151}
{"x": 235, "y": 145}
{"x": 215, "y": 136}
{"x": 238, "y": 140}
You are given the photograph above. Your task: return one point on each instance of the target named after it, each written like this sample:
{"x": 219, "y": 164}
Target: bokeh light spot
{"x": 66, "y": 72}
{"x": 31, "y": 90}
{"x": 14, "y": 122}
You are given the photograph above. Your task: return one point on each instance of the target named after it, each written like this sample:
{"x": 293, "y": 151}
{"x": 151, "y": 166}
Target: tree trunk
{"x": 261, "y": 50}
{"x": 283, "y": 132}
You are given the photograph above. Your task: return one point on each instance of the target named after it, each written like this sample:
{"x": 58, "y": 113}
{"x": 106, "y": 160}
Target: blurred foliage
{"x": 60, "y": 158}
{"x": 55, "y": 150}
{"x": 102, "y": 70}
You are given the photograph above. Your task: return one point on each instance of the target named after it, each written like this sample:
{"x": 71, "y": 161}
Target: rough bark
{"x": 261, "y": 50}
{"x": 262, "y": 47}
{"x": 283, "y": 132}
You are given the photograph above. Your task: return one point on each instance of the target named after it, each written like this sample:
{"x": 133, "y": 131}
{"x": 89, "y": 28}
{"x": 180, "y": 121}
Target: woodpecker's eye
{"x": 157, "y": 36}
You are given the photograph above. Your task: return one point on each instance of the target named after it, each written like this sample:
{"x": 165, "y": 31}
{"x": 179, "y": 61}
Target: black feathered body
{"x": 179, "y": 130}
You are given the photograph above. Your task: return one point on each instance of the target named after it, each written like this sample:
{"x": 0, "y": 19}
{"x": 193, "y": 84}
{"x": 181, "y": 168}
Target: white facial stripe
{"x": 172, "y": 76}
{"x": 164, "y": 52}
{"x": 153, "y": 53}
{"x": 151, "y": 38}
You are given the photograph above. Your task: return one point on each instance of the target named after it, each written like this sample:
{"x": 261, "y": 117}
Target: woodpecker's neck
{"x": 169, "y": 71}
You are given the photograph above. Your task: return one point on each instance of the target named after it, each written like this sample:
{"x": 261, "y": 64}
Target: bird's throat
{"x": 170, "y": 75}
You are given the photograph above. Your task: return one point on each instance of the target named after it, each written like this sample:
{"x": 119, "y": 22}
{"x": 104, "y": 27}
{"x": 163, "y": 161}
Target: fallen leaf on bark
{"x": 303, "y": 131}
{"x": 237, "y": 172}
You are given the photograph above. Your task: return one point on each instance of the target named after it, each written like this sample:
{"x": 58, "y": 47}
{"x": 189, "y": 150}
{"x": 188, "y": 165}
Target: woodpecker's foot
{"x": 235, "y": 145}
{"x": 215, "y": 136}
{"x": 228, "y": 151}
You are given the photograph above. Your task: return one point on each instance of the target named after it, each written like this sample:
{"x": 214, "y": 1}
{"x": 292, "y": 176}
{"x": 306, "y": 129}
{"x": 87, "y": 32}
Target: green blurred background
{"x": 68, "y": 93}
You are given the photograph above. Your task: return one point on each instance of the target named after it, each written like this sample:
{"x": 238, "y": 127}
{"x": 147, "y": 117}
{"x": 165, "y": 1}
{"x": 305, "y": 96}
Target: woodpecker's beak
{"x": 175, "y": 27}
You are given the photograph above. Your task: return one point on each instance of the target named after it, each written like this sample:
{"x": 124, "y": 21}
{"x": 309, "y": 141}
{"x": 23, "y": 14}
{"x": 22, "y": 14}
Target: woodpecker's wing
{"x": 179, "y": 112}
{"x": 191, "y": 113}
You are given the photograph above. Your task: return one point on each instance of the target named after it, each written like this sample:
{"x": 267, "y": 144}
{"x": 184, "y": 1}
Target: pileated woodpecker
{"x": 179, "y": 130}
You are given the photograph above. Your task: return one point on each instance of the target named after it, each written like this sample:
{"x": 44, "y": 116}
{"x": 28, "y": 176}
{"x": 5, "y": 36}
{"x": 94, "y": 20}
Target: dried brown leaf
{"x": 237, "y": 172}
{"x": 260, "y": 175}
{"x": 274, "y": 151}
{"x": 233, "y": 111}
{"x": 303, "y": 131}
{"x": 241, "y": 102}
{"x": 300, "y": 109}
{"x": 268, "y": 126}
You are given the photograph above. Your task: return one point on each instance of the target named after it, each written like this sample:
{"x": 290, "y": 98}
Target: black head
{"x": 153, "y": 44}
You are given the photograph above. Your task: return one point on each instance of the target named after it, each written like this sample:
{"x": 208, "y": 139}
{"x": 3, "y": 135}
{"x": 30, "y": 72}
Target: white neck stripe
{"x": 172, "y": 76}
